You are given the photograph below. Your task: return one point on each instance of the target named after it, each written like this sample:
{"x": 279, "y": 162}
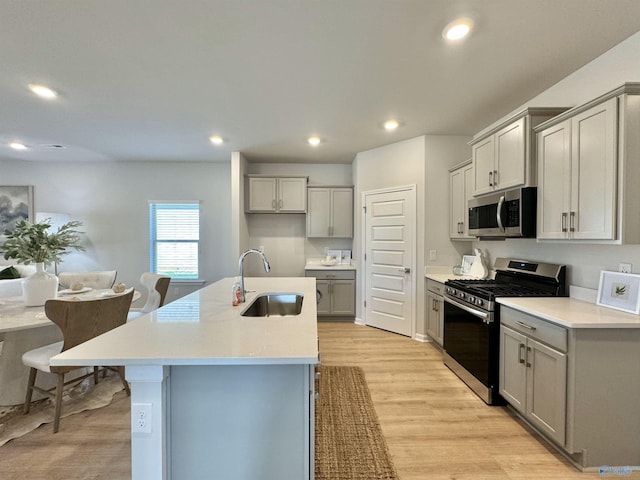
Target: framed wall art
{"x": 16, "y": 203}
{"x": 620, "y": 291}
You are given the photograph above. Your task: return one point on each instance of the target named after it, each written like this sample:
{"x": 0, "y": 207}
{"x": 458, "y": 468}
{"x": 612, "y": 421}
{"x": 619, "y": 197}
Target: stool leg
{"x": 60, "y": 387}
{"x": 32, "y": 380}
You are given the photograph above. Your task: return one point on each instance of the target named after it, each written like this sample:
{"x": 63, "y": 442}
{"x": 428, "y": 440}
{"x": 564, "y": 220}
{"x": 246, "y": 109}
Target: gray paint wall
{"x": 610, "y": 70}
{"x": 111, "y": 199}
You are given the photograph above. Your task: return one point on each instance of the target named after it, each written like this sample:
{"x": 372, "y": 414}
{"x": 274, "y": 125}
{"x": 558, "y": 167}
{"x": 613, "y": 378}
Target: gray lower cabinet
{"x": 335, "y": 292}
{"x": 533, "y": 379}
{"x": 578, "y": 387}
{"x": 435, "y": 311}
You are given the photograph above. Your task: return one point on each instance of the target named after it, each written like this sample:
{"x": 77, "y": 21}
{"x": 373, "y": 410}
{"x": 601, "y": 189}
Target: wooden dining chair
{"x": 97, "y": 279}
{"x": 79, "y": 320}
{"x": 157, "y": 286}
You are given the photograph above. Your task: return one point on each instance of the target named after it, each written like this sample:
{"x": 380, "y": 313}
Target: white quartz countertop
{"x": 203, "y": 328}
{"x": 316, "y": 265}
{"x": 572, "y": 313}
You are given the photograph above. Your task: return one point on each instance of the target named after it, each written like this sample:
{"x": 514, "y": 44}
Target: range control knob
{"x": 479, "y": 302}
{"x": 472, "y": 299}
{"x": 462, "y": 295}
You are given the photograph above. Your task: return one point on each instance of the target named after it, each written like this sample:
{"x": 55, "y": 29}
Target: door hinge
{"x": 365, "y": 304}
{"x": 364, "y": 207}
{"x": 365, "y": 257}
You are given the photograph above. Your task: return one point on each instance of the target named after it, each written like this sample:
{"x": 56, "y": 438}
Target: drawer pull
{"x": 528, "y": 327}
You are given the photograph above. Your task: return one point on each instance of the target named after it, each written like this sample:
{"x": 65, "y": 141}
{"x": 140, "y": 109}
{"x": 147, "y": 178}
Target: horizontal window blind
{"x": 175, "y": 238}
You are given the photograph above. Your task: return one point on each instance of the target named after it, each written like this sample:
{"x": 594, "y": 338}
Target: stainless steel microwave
{"x": 511, "y": 213}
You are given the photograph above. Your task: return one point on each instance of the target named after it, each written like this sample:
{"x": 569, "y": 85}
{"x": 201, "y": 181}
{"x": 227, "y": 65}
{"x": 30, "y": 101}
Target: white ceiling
{"x": 153, "y": 79}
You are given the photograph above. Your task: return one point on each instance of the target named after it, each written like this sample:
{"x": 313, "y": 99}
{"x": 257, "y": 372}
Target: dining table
{"x": 24, "y": 328}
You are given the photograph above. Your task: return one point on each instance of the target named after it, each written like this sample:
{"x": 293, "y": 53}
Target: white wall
{"x": 111, "y": 199}
{"x": 425, "y": 162}
{"x": 442, "y": 153}
{"x": 283, "y": 236}
{"x": 619, "y": 65}
{"x": 395, "y": 165}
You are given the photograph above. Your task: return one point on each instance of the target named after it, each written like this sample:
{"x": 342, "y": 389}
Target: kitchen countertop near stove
{"x": 443, "y": 277}
{"x": 572, "y": 313}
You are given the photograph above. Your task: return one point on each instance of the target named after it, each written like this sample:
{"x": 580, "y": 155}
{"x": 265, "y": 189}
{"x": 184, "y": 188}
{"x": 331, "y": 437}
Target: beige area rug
{"x": 349, "y": 441}
{"x": 85, "y": 396}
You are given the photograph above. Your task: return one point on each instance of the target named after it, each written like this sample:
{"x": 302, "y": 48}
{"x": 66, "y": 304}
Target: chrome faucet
{"x": 267, "y": 267}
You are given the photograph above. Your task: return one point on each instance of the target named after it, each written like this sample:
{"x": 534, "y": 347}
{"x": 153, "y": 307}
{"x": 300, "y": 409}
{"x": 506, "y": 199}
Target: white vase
{"x": 39, "y": 287}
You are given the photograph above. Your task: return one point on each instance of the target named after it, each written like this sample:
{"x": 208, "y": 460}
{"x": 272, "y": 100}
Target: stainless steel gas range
{"x": 471, "y": 318}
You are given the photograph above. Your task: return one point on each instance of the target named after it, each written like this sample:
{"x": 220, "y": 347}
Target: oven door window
{"x": 469, "y": 341}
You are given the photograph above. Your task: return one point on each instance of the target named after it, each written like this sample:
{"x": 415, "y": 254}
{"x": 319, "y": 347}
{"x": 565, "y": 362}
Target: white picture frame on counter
{"x": 620, "y": 291}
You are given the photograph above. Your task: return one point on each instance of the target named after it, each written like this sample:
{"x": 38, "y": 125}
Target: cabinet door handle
{"x": 528, "y": 327}
{"x": 437, "y": 305}
{"x": 520, "y": 352}
{"x": 528, "y": 362}
{"x": 273, "y": 204}
{"x": 281, "y": 204}
{"x": 495, "y": 178}
{"x": 564, "y": 221}
{"x": 491, "y": 178}
{"x": 572, "y": 221}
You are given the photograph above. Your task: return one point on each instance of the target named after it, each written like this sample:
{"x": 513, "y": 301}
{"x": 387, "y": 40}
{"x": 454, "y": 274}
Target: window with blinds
{"x": 175, "y": 238}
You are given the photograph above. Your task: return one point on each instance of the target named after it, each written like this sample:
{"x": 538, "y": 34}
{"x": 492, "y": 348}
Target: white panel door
{"x": 389, "y": 258}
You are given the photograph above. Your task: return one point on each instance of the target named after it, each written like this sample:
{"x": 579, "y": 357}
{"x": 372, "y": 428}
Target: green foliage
{"x": 32, "y": 242}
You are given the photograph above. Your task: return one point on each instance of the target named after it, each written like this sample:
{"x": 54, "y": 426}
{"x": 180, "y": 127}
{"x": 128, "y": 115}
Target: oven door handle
{"x": 470, "y": 310}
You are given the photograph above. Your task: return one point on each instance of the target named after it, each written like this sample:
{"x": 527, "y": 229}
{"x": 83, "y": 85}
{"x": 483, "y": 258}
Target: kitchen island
{"x": 215, "y": 394}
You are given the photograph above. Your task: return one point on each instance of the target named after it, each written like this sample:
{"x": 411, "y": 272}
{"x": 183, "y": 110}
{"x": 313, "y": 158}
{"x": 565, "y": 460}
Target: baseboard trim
{"x": 421, "y": 337}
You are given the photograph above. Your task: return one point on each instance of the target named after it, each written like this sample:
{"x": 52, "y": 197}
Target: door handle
{"x": 281, "y": 204}
{"x": 405, "y": 270}
{"x": 564, "y": 221}
{"x": 491, "y": 178}
{"x": 528, "y": 362}
{"x": 495, "y": 178}
{"x": 273, "y": 204}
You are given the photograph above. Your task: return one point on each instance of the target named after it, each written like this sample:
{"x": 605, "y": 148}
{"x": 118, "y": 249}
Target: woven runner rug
{"x": 349, "y": 441}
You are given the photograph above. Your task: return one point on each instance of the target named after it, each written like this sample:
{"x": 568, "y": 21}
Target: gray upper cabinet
{"x": 588, "y": 171}
{"x": 504, "y": 156}
{"x": 275, "y": 194}
{"x": 330, "y": 212}
{"x": 460, "y": 190}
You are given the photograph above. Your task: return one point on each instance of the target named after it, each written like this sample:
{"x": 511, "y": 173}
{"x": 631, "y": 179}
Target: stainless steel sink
{"x": 274, "y": 304}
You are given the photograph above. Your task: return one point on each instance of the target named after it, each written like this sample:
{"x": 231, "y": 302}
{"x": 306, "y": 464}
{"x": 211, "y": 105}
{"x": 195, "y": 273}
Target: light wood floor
{"x": 435, "y": 427}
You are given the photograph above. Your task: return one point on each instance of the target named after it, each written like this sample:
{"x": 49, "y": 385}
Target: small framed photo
{"x": 620, "y": 291}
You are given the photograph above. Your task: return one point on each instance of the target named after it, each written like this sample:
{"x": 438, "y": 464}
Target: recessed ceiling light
{"x": 458, "y": 29}
{"x": 17, "y": 146}
{"x": 216, "y": 139}
{"x": 314, "y": 141}
{"x": 391, "y": 124}
{"x": 42, "y": 91}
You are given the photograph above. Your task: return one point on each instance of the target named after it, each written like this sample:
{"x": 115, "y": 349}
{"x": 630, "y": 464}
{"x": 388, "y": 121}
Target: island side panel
{"x": 240, "y": 421}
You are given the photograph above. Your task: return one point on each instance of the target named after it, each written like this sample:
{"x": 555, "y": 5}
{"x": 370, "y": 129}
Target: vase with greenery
{"x": 37, "y": 243}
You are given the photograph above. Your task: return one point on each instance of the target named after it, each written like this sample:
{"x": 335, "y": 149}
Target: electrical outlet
{"x": 624, "y": 268}
{"x": 141, "y": 417}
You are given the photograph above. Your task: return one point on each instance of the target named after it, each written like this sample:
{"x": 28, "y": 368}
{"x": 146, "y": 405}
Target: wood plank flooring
{"x": 435, "y": 427}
